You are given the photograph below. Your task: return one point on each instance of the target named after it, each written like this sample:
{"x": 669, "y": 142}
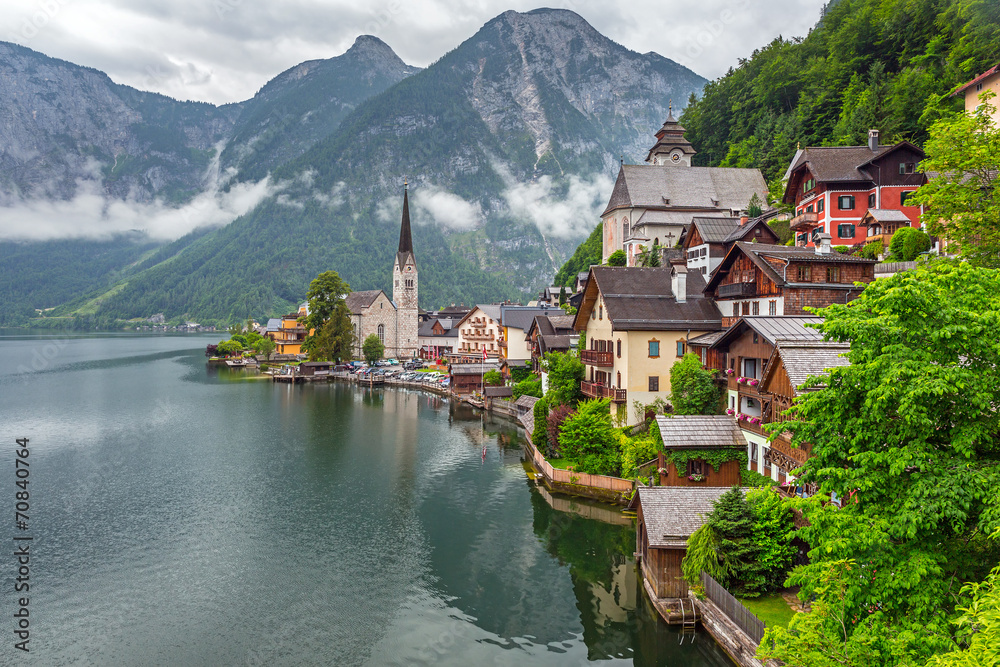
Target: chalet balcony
{"x": 471, "y": 335}
{"x": 738, "y": 289}
{"x": 595, "y": 358}
{"x": 804, "y": 221}
{"x": 594, "y": 390}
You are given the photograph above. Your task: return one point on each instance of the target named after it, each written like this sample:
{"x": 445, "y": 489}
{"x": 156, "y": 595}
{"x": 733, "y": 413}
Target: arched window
{"x": 656, "y": 241}
{"x": 624, "y": 228}
{"x": 381, "y": 333}
{"x": 619, "y": 350}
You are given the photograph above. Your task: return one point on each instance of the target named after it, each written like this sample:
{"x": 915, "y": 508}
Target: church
{"x": 393, "y": 320}
{"x": 652, "y": 204}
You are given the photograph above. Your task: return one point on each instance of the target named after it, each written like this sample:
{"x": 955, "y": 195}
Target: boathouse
{"x": 701, "y": 450}
{"x": 467, "y": 378}
{"x": 666, "y": 518}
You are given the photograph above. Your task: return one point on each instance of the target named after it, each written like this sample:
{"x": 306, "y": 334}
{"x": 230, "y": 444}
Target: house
{"x": 756, "y": 279}
{"x": 291, "y": 334}
{"x": 707, "y": 240}
{"x": 550, "y": 333}
{"x": 665, "y": 518}
{"x": 467, "y": 378}
{"x": 686, "y": 434}
{"x": 480, "y": 330}
{"x": 988, "y": 80}
{"x": 315, "y": 368}
{"x": 833, "y": 187}
{"x": 516, "y": 322}
{"x": 658, "y": 200}
{"x": 637, "y": 323}
{"x": 437, "y": 337}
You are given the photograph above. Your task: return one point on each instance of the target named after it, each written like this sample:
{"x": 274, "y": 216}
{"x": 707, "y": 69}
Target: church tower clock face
{"x": 675, "y": 157}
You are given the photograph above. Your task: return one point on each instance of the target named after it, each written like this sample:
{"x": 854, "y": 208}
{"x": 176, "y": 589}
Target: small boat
{"x": 236, "y": 363}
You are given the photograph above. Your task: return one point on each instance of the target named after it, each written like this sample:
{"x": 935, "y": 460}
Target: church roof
{"x": 668, "y": 187}
{"x": 405, "y": 237}
{"x": 358, "y": 301}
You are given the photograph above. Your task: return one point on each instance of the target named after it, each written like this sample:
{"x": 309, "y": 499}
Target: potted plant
{"x": 696, "y": 478}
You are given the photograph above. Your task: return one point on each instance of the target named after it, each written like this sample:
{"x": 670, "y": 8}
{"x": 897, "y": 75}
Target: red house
{"x": 835, "y": 188}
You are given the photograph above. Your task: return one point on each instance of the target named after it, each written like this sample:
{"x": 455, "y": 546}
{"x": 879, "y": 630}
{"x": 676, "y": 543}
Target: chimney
{"x": 873, "y": 140}
{"x": 678, "y": 282}
{"x": 823, "y": 244}
{"x": 744, "y": 219}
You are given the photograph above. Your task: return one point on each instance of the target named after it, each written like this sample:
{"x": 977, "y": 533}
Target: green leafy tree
{"x": 520, "y": 373}
{"x": 962, "y": 201}
{"x": 228, "y": 348}
{"x": 773, "y": 531}
{"x": 372, "y": 348}
{"x": 635, "y": 451}
{"x": 540, "y": 435}
{"x": 702, "y": 555}
{"x": 331, "y": 334}
{"x": 979, "y": 627}
{"x": 693, "y": 390}
{"x": 493, "y": 378}
{"x": 240, "y": 340}
{"x": 565, "y": 373}
{"x": 907, "y": 243}
{"x": 265, "y": 346}
{"x": 587, "y": 437}
{"x": 617, "y": 258}
{"x": 528, "y": 387}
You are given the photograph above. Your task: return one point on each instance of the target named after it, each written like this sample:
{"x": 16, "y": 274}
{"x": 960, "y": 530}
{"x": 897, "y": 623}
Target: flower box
{"x": 730, "y": 411}
{"x": 696, "y": 478}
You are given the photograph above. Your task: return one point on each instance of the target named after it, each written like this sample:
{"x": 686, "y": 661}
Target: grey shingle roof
{"x": 887, "y": 215}
{"x": 772, "y": 329}
{"x": 700, "y": 432}
{"x": 357, "y": 301}
{"x": 672, "y": 513}
{"x": 498, "y": 392}
{"x": 715, "y": 230}
{"x": 759, "y": 253}
{"x": 521, "y": 317}
{"x": 640, "y": 299}
{"x": 802, "y": 359}
{"x": 526, "y": 402}
{"x": 554, "y": 343}
{"x": 706, "y": 340}
{"x": 837, "y": 163}
{"x": 475, "y": 369}
{"x": 723, "y": 188}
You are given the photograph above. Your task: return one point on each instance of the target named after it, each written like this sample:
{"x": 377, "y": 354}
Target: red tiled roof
{"x": 991, "y": 71}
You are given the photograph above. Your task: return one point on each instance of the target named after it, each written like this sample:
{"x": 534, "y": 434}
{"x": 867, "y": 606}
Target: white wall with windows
{"x": 764, "y": 306}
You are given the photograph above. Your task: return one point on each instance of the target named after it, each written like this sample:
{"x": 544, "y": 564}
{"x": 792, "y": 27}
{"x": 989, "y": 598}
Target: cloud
{"x": 445, "y": 209}
{"x": 90, "y": 213}
{"x": 566, "y": 209}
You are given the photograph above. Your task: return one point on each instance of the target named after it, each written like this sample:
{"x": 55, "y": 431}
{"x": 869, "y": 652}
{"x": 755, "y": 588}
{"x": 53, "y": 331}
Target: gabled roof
{"x": 498, "y": 392}
{"x": 706, "y": 340}
{"x": 886, "y": 215}
{"x": 771, "y": 329}
{"x": 715, "y": 230}
{"x": 476, "y": 368}
{"x": 759, "y": 253}
{"x": 979, "y": 79}
{"x": 671, "y": 186}
{"x": 358, "y": 301}
{"x": 521, "y": 317}
{"x": 640, "y": 299}
{"x": 491, "y": 310}
{"x": 550, "y": 325}
{"x": 743, "y": 231}
{"x": 672, "y": 513}
{"x": 802, "y": 359}
{"x": 839, "y": 164}
{"x": 700, "y": 432}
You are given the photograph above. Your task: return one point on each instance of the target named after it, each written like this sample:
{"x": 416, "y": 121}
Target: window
{"x": 903, "y": 196}
{"x": 809, "y": 185}
{"x": 845, "y": 231}
{"x": 845, "y": 202}
{"x": 654, "y": 383}
{"x": 809, "y": 209}
{"x": 871, "y": 200}
{"x": 619, "y": 349}
{"x": 833, "y": 274}
{"x": 753, "y": 452}
{"x": 746, "y": 307}
{"x": 821, "y": 206}
{"x": 381, "y": 333}
{"x": 600, "y": 312}
{"x": 907, "y": 167}
{"x": 736, "y": 309}
{"x": 749, "y": 370}
{"x": 756, "y": 311}
{"x": 624, "y": 228}
{"x": 654, "y": 349}
{"x": 756, "y": 338}
{"x": 772, "y": 308}
{"x": 704, "y": 270}
{"x": 803, "y": 274}
{"x": 680, "y": 348}
{"x": 695, "y": 467}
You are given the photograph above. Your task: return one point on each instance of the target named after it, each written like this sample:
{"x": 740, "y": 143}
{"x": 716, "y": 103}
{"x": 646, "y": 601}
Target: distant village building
{"x": 988, "y": 80}
{"x": 707, "y": 240}
{"x": 291, "y": 334}
{"x": 652, "y": 204}
{"x": 848, "y": 191}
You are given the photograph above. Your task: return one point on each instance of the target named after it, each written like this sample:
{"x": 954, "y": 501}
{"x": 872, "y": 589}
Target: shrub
{"x": 842, "y": 249}
{"x": 693, "y": 390}
{"x": 872, "y": 250}
{"x": 566, "y": 372}
{"x": 553, "y": 423}
{"x": 907, "y": 243}
{"x": 492, "y": 378}
{"x": 636, "y": 451}
{"x": 588, "y": 438}
{"x": 539, "y": 435}
{"x": 773, "y": 530}
{"x": 241, "y": 340}
{"x": 617, "y": 258}
{"x": 528, "y": 387}
{"x": 520, "y": 373}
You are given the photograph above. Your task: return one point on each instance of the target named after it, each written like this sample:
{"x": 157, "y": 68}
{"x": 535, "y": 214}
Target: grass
{"x": 562, "y": 464}
{"x": 772, "y": 609}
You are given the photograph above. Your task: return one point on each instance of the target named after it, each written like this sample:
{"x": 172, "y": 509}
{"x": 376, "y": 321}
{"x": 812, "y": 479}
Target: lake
{"x": 184, "y": 515}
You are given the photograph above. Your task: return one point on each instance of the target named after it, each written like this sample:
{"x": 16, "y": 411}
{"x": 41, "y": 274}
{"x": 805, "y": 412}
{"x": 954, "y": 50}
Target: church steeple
{"x": 405, "y": 240}
{"x": 671, "y": 147}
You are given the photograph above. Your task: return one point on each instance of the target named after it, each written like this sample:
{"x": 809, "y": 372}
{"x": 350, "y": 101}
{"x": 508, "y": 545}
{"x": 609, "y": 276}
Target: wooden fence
{"x": 560, "y": 476}
{"x": 733, "y": 608}
{"x": 894, "y": 267}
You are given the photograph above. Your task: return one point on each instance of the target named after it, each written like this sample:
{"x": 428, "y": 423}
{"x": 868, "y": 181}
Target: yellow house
{"x": 637, "y": 323}
{"x": 288, "y": 339}
{"x": 988, "y": 80}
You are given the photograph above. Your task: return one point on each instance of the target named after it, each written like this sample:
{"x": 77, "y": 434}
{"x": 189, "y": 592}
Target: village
{"x": 700, "y": 274}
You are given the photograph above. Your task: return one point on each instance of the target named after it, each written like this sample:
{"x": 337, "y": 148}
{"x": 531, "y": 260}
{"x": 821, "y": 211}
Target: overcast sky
{"x": 224, "y": 50}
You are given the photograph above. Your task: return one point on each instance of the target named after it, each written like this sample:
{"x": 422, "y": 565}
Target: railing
{"x": 596, "y": 358}
{"x": 731, "y": 607}
{"x": 594, "y": 390}
{"x": 894, "y": 267}
{"x": 558, "y": 475}
{"x": 738, "y": 289}
{"x": 474, "y": 336}
{"x": 803, "y": 220}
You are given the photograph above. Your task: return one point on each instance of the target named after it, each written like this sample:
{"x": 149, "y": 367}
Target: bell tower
{"x": 404, "y": 287}
{"x": 671, "y": 147}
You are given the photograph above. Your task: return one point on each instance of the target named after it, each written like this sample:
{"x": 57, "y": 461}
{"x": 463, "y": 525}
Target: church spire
{"x": 405, "y": 240}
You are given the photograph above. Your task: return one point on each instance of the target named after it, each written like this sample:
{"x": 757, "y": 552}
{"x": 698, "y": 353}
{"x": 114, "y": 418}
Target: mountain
{"x": 509, "y": 143}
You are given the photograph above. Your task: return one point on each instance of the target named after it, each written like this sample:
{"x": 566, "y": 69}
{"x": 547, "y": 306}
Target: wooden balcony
{"x": 738, "y": 289}
{"x": 470, "y": 335}
{"x": 594, "y": 390}
{"x": 804, "y": 221}
{"x": 595, "y": 358}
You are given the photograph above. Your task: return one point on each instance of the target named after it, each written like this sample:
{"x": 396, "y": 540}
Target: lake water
{"x": 183, "y": 516}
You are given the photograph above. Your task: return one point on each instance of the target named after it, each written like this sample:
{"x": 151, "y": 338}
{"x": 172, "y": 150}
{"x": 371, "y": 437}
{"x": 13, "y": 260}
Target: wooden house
{"x": 467, "y": 378}
{"x": 707, "y": 240}
{"x": 666, "y": 517}
{"x": 756, "y": 279}
{"x": 315, "y": 368}
{"x": 691, "y": 434}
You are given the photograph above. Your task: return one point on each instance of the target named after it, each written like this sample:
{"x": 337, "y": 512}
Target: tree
{"x": 907, "y": 243}
{"x": 693, "y": 390}
{"x": 266, "y": 346}
{"x": 331, "y": 334}
{"x": 528, "y": 387}
{"x": 372, "y": 348}
{"x": 733, "y": 522}
{"x": 493, "y": 378}
{"x": 755, "y": 207}
{"x": 962, "y": 202}
{"x": 773, "y": 531}
{"x": 911, "y": 427}
{"x": 649, "y": 258}
{"x": 228, "y": 348}
{"x": 588, "y": 437}
{"x": 562, "y": 295}
{"x": 539, "y": 435}
{"x": 553, "y": 422}
{"x": 565, "y": 372}
{"x": 617, "y": 258}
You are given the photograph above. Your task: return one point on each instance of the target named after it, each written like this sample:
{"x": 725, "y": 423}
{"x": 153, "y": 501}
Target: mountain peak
{"x": 370, "y": 47}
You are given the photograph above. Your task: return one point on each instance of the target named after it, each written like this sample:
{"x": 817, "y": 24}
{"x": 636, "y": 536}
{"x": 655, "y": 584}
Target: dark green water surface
{"x": 183, "y": 516}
